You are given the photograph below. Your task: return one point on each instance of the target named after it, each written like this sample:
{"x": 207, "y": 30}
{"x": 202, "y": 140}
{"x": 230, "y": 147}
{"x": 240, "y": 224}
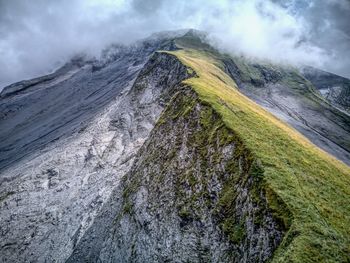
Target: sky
{"x": 37, "y": 36}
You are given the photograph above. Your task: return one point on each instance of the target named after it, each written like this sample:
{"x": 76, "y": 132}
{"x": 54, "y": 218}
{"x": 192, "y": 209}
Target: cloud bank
{"x": 39, "y": 35}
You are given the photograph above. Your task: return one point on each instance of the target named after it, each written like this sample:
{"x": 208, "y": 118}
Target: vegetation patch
{"x": 234, "y": 230}
{"x": 6, "y": 195}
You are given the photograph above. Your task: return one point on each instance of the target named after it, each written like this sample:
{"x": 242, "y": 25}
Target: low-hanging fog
{"x": 36, "y": 36}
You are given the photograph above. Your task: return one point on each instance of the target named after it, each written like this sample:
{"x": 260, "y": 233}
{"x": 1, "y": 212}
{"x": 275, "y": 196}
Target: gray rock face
{"x": 71, "y": 142}
{"x": 175, "y": 204}
{"x": 292, "y": 98}
{"x": 37, "y": 112}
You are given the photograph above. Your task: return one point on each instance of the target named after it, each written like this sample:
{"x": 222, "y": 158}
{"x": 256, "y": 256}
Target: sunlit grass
{"x": 314, "y": 185}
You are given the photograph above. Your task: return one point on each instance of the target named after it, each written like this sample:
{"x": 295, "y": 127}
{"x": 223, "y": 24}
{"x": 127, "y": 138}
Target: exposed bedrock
{"x": 49, "y": 198}
{"x": 193, "y": 194}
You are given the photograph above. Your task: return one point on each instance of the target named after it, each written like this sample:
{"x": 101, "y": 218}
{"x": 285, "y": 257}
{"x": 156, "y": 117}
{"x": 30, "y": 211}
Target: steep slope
{"x": 51, "y": 196}
{"x": 39, "y": 111}
{"x": 175, "y": 204}
{"x": 175, "y": 166}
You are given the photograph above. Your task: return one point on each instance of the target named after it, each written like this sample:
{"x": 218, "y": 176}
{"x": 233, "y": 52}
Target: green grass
{"x": 6, "y": 195}
{"x": 314, "y": 185}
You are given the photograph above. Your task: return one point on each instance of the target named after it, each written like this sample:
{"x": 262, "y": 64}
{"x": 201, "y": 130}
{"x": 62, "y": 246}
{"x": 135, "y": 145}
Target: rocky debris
{"x": 36, "y": 112}
{"x": 66, "y": 152}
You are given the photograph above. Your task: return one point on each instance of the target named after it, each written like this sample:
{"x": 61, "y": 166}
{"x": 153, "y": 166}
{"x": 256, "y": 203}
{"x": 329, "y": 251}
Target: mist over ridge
{"x": 38, "y": 36}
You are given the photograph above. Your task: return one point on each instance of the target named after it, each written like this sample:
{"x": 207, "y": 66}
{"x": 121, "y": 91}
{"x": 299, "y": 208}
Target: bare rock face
{"x": 194, "y": 194}
{"x": 62, "y": 154}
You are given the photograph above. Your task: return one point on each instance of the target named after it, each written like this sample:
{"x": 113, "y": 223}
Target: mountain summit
{"x": 170, "y": 151}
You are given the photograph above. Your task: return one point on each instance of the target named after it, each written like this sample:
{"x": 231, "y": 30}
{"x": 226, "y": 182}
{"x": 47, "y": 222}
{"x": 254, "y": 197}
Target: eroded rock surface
{"x": 194, "y": 194}
{"x": 70, "y": 155}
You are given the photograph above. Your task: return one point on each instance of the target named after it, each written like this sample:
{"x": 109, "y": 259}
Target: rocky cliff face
{"x": 194, "y": 194}
{"x": 37, "y": 112}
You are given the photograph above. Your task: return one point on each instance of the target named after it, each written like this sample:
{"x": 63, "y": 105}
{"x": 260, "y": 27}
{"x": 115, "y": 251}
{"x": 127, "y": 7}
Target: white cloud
{"x": 264, "y": 30}
{"x": 37, "y": 35}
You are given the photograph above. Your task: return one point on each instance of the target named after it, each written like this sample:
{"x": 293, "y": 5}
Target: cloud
{"x": 329, "y": 21}
{"x": 37, "y": 36}
{"x": 264, "y": 30}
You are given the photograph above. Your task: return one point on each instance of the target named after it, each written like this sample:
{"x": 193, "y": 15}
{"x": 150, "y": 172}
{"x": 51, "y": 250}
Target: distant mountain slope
{"x": 158, "y": 154}
{"x": 334, "y": 88}
{"x": 36, "y": 112}
{"x": 287, "y": 94}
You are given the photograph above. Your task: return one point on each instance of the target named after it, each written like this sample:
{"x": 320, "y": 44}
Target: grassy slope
{"x": 314, "y": 185}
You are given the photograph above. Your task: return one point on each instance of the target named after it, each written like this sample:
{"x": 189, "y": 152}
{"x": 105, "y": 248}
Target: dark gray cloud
{"x": 331, "y": 31}
{"x": 328, "y": 23}
{"x": 38, "y": 35}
